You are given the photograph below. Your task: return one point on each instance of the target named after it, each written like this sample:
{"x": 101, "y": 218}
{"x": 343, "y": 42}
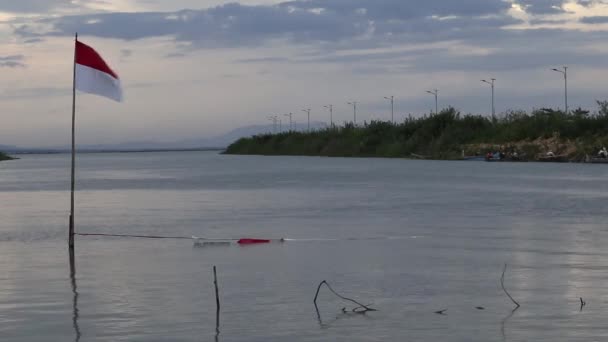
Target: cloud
{"x": 13, "y": 61}
{"x": 263, "y": 60}
{"x": 542, "y": 6}
{"x": 313, "y": 21}
{"x": 33, "y": 40}
{"x": 35, "y": 6}
{"x": 483, "y": 29}
{"x": 594, "y": 20}
{"x": 400, "y": 9}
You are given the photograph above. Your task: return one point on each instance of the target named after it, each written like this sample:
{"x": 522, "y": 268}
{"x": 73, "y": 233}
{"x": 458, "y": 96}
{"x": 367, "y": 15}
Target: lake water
{"x": 411, "y": 237}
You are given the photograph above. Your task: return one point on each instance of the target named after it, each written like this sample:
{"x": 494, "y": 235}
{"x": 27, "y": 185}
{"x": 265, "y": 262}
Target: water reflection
{"x": 217, "y": 326}
{"x": 504, "y": 322}
{"x": 75, "y": 313}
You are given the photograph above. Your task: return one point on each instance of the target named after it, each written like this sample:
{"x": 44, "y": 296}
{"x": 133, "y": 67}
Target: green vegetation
{"x": 445, "y": 136}
{"x": 4, "y": 156}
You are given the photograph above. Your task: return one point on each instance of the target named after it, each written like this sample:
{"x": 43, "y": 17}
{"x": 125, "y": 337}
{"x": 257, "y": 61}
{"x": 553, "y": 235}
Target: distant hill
{"x": 226, "y": 139}
{"x": 7, "y": 147}
{"x": 217, "y": 142}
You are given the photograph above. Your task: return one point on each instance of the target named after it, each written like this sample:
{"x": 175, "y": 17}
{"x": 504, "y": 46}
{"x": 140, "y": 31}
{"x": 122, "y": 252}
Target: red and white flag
{"x": 93, "y": 75}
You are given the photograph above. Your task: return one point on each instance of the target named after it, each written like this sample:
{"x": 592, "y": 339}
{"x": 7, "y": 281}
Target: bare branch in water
{"x": 502, "y": 283}
{"x": 360, "y": 308}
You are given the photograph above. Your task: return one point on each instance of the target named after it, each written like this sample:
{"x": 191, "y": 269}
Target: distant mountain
{"x": 217, "y": 142}
{"x": 247, "y": 131}
{"x": 7, "y": 147}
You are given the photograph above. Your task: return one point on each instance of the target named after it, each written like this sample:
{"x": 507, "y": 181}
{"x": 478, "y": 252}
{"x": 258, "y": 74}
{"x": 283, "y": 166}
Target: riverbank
{"x": 447, "y": 136}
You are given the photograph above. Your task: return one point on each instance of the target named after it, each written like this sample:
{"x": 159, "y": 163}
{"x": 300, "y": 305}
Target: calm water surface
{"x": 412, "y": 237}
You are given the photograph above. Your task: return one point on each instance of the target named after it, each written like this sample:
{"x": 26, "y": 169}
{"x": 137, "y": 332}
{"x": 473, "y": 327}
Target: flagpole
{"x": 71, "y": 233}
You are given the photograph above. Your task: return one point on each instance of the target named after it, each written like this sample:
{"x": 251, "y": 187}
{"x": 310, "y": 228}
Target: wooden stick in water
{"x": 217, "y": 302}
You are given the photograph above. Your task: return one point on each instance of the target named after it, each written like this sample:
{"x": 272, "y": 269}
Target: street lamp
{"x": 392, "y": 99}
{"x": 491, "y": 83}
{"x": 354, "y": 104}
{"x": 331, "y": 115}
{"x": 274, "y": 119}
{"x": 290, "y": 115}
{"x": 436, "y": 93}
{"x": 307, "y": 111}
{"x": 565, "y": 73}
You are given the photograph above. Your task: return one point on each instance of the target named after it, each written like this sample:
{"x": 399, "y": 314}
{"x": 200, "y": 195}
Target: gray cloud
{"x": 403, "y": 9}
{"x": 329, "y": 26}
{"x": 332, "y": 25}
{"x": 13, "y": 61}
{"x": 33, "y": 40}
{"x": 315, "y": 21}
{"x": 35, "y": 6}
{"x": 594, "y": 20}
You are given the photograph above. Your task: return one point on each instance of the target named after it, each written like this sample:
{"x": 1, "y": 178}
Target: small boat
{"x": 252, "y": 241}
{"x": 205, "y": 242}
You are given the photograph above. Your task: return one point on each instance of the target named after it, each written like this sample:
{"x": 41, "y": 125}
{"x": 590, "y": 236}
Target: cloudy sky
{"x": 198, "y": 68}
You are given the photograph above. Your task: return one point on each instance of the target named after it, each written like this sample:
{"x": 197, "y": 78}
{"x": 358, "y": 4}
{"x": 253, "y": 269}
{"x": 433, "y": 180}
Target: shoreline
{"x": 118, "y": 151}
{"x": 418, "y": 157}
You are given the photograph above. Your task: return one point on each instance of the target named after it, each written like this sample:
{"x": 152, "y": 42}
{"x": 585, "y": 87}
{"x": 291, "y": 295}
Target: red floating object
{"x": 252, "y": 241}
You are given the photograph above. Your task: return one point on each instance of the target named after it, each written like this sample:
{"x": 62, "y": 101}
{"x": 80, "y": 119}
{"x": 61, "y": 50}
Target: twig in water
{"x": 502, "y": 283}
{"x": 360, "y": 308}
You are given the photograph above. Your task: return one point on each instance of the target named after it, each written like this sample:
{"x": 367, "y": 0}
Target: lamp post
{"x": 565, "y": 73}
{"x": 331, "y": 115}
{"x": 354, "y": 104}
{"x": 274, "y": 119}
{"x": 392, "y": 99}
{"x": 290, "y": 115}
{"x": 436, "y": 93}
{"x": 307, "y": 111}
{"x": 491, "y": 83}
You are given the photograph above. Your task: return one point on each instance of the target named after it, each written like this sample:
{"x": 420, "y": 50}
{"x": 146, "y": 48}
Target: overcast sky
{"x": 198, "y": 68}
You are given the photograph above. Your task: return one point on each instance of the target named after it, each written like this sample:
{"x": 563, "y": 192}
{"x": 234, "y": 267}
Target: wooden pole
{"x": 71, "y": 232}
{"x": 217, "y": 302}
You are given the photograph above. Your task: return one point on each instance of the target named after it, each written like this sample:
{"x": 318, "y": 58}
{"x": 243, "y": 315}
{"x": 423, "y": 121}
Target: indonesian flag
{"x": 93, "y": 75}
